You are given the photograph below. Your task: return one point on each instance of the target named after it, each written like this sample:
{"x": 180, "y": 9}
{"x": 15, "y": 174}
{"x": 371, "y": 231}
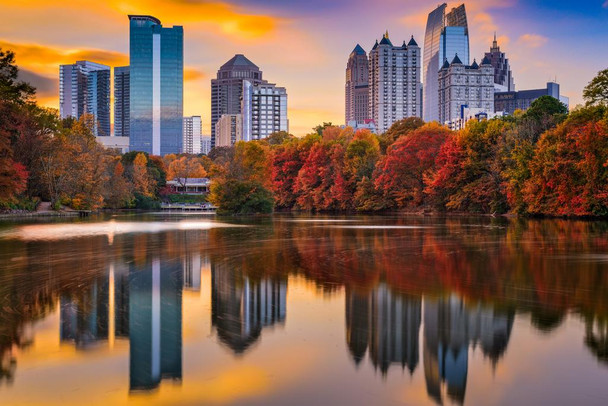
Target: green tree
{"x": 596, "y": 92}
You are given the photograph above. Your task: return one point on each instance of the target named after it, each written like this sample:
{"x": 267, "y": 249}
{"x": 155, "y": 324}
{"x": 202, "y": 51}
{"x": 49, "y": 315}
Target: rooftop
{"x": 239, "y": 61}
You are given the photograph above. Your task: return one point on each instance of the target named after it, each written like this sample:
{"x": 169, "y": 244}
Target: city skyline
{"x": 290, "y": 42}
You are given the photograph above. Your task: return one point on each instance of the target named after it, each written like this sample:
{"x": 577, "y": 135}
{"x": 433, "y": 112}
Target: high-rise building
{"x": 462, "y": 86}
{"x": 205, "y": 144}
{"x": 357, "y": 86}
{"x": 228, "y": 130}
{"x": 446, "y": 35}
{"x": 227, "y": 88}
{"x": 503, "y": 77}
{"x": 193, "y": 133}
{"x": 156, "y": 86}
{"x": 122, "y": 119}
{"x": 84, "y": 88}
{"x": 264, "y": 110}
{"x": 394, "y": 82}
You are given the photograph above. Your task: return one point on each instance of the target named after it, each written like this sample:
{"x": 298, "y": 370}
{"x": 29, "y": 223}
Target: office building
{"x": 508, "y": 102}
{"x": 394, "y": 82}
{"x": 264, "y": 110}
{"x": 193, "y": 134}
{"x": 227, "y": 89}
{"x": 503, "y": 77}
{"x": 447, "y": 34}
{"x": 122, "y": 116}
{"x": 356, "y": 89}
{"x": 462, "y": 86}
{"x": 156, "y": 86}
{"x": 228, "y": 130}
{"x": 84, "y": 88}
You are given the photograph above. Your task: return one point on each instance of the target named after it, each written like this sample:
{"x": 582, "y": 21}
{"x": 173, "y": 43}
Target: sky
{"x": 302, "y": 45}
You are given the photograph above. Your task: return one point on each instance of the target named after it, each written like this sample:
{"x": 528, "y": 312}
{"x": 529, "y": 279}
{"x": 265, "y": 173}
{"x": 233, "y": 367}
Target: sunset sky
{"x": 302, "y": 45}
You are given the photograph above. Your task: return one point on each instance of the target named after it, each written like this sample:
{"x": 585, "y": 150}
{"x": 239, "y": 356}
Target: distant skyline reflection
{"x": 427, "y": 304}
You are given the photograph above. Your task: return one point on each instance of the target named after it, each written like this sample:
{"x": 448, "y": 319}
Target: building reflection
{"x": 155, "y": 323}
{"x": 241, "y": 305}
{"x": 139, "y": 302}
{"x": 387, "y": 324}
{"x": 450, "y": 328}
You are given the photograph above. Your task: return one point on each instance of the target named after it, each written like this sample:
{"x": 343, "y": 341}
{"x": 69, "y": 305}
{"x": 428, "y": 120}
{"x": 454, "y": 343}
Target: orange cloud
{"x": 231, "y": 19}
{"x": 532, "y": 40}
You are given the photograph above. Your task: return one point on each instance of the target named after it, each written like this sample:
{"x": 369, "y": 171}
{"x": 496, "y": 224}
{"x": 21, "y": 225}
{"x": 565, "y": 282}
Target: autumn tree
{"x": 184, "y": 168}
{"x": 398, "y": 129}
{"x": 402, "y": 175}
{"x": 15, "y": 95}
{"x": 569, "y": 175}
{"x": 142, "y": 181}
{"x": 118, "y": 192}
{"x": 469, "y": 174}
{"x": 242, "y": 184}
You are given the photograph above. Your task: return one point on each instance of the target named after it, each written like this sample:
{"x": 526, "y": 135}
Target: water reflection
{"x": 242, "y": 305}
{"x": 416, "y": 300}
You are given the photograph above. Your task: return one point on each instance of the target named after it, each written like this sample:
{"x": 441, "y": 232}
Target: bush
{"x": 143, "y": 202}
{"x": 242, "y": 197}
{"x": 191, "y": 199}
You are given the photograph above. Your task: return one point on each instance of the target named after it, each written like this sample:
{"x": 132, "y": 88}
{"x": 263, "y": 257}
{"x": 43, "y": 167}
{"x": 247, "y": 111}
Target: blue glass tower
{"x": 156, "y": 86}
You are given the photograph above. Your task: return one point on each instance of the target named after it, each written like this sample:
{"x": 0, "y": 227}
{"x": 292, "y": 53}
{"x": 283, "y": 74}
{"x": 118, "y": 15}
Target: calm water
{"x": 304, "y": 310}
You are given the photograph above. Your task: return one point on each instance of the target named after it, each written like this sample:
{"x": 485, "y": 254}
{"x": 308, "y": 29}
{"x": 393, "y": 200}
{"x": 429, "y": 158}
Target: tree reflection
{"x": 465, "y": 279}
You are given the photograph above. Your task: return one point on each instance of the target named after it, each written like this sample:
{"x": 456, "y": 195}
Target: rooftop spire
{"x": 386, "y": 35}
{"x": 495, "y": 47}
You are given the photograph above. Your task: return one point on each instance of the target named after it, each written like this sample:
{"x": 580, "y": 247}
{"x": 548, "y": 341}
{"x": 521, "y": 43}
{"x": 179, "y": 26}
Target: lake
{"x": 290, "y": 310}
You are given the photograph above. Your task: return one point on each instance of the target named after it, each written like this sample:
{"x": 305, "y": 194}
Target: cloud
{"x": 532, "y": 40}
{"x": 231, "y": 19}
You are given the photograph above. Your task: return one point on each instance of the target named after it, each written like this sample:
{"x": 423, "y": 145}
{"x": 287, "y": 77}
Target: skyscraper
{"x": 446, "y": 35}
{"x": 394, "y": 82}
{"x": 357, "y": 86}
{"x": 503, "y": 77}
{"x": 193, "y": 133}
{"x": 156, "y": 86}
{"x": 227, "y": 88}
{"x": 121, "y": 101}
{"x": 264, "y": 110}
{"x": 84, "y": 88}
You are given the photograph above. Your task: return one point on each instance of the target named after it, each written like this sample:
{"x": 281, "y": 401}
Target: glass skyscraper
{"x": 122, "y": 117}
{"x": 446, "y": 35}
{"x": 84, "y": 88}
{"x": 156, "y": 86}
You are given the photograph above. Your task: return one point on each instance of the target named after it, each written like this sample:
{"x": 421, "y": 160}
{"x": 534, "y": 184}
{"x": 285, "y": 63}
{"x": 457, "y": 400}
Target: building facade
{"x": 508, "y": 102}
{"x": 394, "y": 82}
{"x": 84, "y": 88}
{"x": 357, "y": 86}
{"x": 446, "y": 35}
{"x": 503, "y": 77}
{"x": 193, "y": 134}
{"x": 462, "y": 86}
{"x": 264, "y": 110}
{"x": 205, "y": 144}
{"x": 156, "y": 86}
{"x": 228, "y": 130}
{"x": 122, "y": 115}
{"x": 227, "y": 88}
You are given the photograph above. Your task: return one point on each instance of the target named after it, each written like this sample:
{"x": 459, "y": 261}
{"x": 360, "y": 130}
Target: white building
{"x": 193, "y": 134}
{"x": 394, "y": 82}
{"x": 462, "y": 87}
{"x": 264, "y": 110}
{"x": 228, "y": 130}
{"x": 205, "y": 144}
{"x": 366, "y": 125}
